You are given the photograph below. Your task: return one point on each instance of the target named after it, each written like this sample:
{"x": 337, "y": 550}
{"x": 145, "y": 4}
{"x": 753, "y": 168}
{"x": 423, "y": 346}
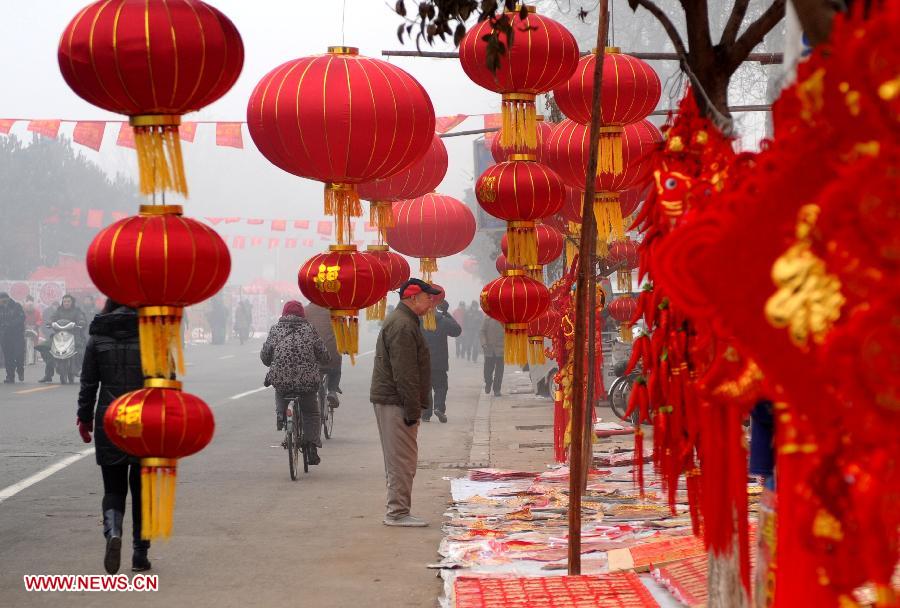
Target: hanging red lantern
{"x": 545, "y": 326}
{"x": 344, "y": 281}
{"x": 515, "y": 300}
{"x": 159, "y": 262}
{"x": 624, "y": 256}
{"x": 158, "y": 424}
{"x": 502, "y": 265}
{"x": 630, "y": 91}
{"x": 430, "y": 227}
{"x": 342, "y": 119}
{"x": 549, "y": 248}
{"x": 555, "y": 221}
{"x": 153, "y": 62}
{"x": 622, "y": 310}
{"x": 520, "y": 191}
{"x": 502, "y": 154}
{"x": 420, "y": 178}
{"x": 538, "y": 41}
{"x": 398, "y": 273}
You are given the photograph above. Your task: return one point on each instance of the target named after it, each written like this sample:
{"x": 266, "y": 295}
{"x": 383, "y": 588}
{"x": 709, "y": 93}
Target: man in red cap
{"x": 401, "y": 389}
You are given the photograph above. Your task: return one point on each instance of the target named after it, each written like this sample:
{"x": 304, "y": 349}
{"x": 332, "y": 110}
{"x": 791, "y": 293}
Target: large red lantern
{"x": 342, "y": 119}
{"x": 520, "y": 191}
{"x": 153, "y": 62}
{"x": 515, "y": 300}
{"x": 158, "y": 424}
{"x": 398, "y": 273}
{"x": 344, "y": 281}
{"x": 631, "y": 90}
{"x": 545, "y": 326}
{"x": 420, "y": 178}
{"x": 624, "y": 256}
{"x": 543, "y": 55}
{"x": 430, "y": 227}
{"x": 622, "y": 309}
{"x": 549, "y": 248}
{"x": 159, "y": 262}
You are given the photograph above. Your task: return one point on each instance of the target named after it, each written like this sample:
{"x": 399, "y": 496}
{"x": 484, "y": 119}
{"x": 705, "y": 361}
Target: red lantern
{"x": 153, "y": 62}
{"x": 420, "y": 178}
{"x": 622, "y": 310}
{"x": 631, "y": 90}
{"x": 344, "y": 280}
{"x": 430, "y": 227}
{"x": 549, "y": 248}
{"x": 624, "y": 256}
{"x": 555, "y": 221}
{"x": 158, "y": 424}
{"x": 159, "y": 262}
{"x": 543, "y": 56}
{"x": 502, "y": 265}
{"x": 341, "y": 119}
{"x": 398, "y": 273}
{"x": 501, "y": 154}
{"x": 545, "y": 326}
{"x": 515, "y": 300}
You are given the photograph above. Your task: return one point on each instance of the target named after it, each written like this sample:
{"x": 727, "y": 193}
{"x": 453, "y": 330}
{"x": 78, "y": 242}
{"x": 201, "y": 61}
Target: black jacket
{"x": 447, "y": 327}
{"x": 112, "y": 367}
{"x": 12, "y": 321}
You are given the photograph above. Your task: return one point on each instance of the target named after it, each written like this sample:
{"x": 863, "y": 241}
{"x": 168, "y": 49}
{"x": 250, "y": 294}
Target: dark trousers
{"x": 459, "y": 346}
{"x": 439, "y": 386}
{"x": 310, "y": 416}
{"x": 332, "y": 379}
{"x": 117, "y": 478}
{"x": 493, "y": 372}
{"x": 14, "y": 355}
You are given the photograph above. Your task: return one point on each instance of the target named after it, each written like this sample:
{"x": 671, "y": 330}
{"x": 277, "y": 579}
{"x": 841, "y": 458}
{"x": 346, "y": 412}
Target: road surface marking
{"x": 256, "y": 390}
{"x": 38, "y": 389}
{"x": 368, "y": 352}
{"x": 14, "y": 489}
{"x": 226, "y": 357}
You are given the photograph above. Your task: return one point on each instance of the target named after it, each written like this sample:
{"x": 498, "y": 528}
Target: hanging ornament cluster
{"x": 154, "y": 62}
{"x": 398, "y": 273}
{"x": 545, "y": 326}
{"x": 624, "y": 257}
{"x": 549, "y": 248}
{"x": 515, "y": 300}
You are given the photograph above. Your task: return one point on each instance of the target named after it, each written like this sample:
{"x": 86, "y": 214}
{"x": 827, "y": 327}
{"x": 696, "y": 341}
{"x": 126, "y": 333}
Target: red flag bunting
{"x": 187, "y": 131}
{"x": 53, "y": 218}
{"x": 491, "y": 121}
{"x": 290, "y": 243}
{"x": 215, "y": 221}
{"x": 279, "y": 225}
{"x": 256, "y": 241}
{"x": 255, "y": 221}
{"x": 232, "y": 220}
{"x": 76, "y": 216}
{"x": 94, "y": 218}
{"x": 5, "y": 125}
{"x": 89, "y": 133}
{"x": 307, "y": 242}
{"x": 229, "y": 134}
{"x": 118, "y": 215}
{"x": 47, "y": 128}
{"x": 301, "y": 224}
{"x": 445, "y": 123}
{"x": 273, "y": 243}
{"x": 237, "y": 242}
{"x": 126, "y": 136}
{"x": 325, "y": 227}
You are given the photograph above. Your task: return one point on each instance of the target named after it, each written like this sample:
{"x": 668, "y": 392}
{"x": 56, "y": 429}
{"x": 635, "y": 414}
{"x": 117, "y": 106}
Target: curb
{"x": 480, "y": 452}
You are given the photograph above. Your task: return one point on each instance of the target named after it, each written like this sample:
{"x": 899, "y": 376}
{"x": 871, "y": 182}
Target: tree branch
{"x": 667, "y": 24}
{"x": 733, "y": 26}
{"x": 755, "y": 33}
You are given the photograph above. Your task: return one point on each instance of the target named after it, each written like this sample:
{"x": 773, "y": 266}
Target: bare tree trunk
{"x": 816, "y": 17}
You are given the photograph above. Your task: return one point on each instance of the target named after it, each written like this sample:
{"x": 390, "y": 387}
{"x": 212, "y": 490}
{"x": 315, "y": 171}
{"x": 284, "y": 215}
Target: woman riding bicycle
{"x": 293, "y": 352}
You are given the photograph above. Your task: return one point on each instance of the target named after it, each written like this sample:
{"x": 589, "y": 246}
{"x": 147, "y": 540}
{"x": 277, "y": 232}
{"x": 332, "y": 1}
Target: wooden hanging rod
{"x": 763, "y": 58}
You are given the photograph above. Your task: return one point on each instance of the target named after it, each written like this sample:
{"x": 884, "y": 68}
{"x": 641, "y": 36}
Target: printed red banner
{"x": 444, "y": 123}
{"x": 290, "y": 243}
{"x": 89, "y": 133}
{"x": 256, "y": 241}
{"x": 325, "y": 227}
{"x": 94, "y": 218}
{"x": 126, "y": 136}
{"x": 238, "y": 242}
{"x": 301, "y": 224}
{"x": 255, "y": 221}
{"x": 279, "y": 225}
{"x": 229, "y": 134}
{"x": 47, "y": 128}
{"x": 491, "y": 121}
{"x": 215, "y": 221}
{"x": 5, "y": 125}
{"x": 187, "y": 131}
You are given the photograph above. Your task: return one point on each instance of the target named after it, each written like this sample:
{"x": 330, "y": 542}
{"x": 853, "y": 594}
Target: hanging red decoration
{"x": 515, "y": 300}
{"x": 502, "y": 265}
{"x": 501, "y": 154}
{"x": 153, "y": 62}
{"x": 537, "y": 41}
{"x": 624, "y": 256}
{"x": 159, "y": 424}
{"x": 430, "y": 227}
{"x": 342, "y": 119}
{"x": 344, "y": 281}
{"x": 622, "y": 309}
{"x": 398, "y": 273}
{"x": 630, "y": 91}
{"x": 545, "y": 326}
{"x": 549, "y": 248}
{"x": 420, "y": 178}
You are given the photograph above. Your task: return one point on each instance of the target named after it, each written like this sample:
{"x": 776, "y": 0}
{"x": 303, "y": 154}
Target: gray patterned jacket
{"x": 293, "y": 352}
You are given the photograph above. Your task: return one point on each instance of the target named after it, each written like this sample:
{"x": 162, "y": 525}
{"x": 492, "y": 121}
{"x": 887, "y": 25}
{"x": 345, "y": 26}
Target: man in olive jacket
{"x": 401, "y": 389}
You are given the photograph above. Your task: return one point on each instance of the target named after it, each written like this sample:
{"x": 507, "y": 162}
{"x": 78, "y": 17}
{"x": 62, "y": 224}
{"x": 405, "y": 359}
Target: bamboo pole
{"x": 584, "y": 313}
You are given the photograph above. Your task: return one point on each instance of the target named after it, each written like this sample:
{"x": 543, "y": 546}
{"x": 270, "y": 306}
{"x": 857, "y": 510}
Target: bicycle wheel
{"x": 327, "y": 415}
{"x": 291, "y": 446}
{"x": 619, "y": 393}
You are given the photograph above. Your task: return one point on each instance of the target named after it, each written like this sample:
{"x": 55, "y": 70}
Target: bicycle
{"x": 619, "y": 394}
{"x": 292, "y": 442}
{"x": 325, "y": 408}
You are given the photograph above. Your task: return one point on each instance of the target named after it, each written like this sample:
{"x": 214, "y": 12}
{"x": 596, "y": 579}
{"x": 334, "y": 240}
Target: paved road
{"x": 244, "y": 533}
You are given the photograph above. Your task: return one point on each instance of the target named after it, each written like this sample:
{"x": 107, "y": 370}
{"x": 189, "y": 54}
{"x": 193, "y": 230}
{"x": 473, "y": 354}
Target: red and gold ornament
{"x": 515, "y": 300}
{"x": 622, "y": 309}
{"x": 624, "y": 256}
{"x": 398, "y": 273}
{"x": 549, "y": 248}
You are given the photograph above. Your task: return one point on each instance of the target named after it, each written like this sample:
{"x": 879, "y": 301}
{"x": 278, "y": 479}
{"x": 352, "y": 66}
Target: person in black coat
{"x": 12, "y": 338}
{"x": 112, "y": 367}
{"x": 446, "y": 327}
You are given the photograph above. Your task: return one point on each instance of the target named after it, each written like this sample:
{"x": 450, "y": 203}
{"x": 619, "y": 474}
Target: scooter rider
{"x": 66, "y": 311}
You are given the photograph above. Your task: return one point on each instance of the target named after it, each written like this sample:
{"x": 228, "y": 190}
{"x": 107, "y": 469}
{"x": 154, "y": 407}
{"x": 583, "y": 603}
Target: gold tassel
{"x": 342, "y": 201}
{"x": 518, "y": 132}
{"x": 625, "y": 332}
{"x": 381, "y": 215}
{"x": 345, "y": 325}
{"x": 572, "y": 242}
{"x": 623, "y": 280}
{"x": 515, "y": 345}
{"x": 536, "y": 350}
{"x": 610, "y": 157}
{"x": 158, "y": 147}
{"x": 376, "y": 311}
{"x": 158, "y": 477}
{"x": 162, "y": 355}
{"x": 427, "y": 266}
{"x": 535, "y": 272}
{"x": 521, "y": 241}
{"x": 429, "y": 321}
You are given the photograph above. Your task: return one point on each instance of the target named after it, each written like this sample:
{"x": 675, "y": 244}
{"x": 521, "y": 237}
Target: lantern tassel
{"x": 572, "y": 243}
{"x": 158, "y": 147}
{"x": 158, "y": 477}
{"x": 518, "y": 133}
{"x": 610, "y": 157}
{"x": 381, "y": 215}
{"x": 345, "y": 325}
{"x": 342, "y": 201}
{"x": 625, "y": 332}
{"x": 162, "y": 354}
{"x": 623, "y": 279}
{"x": 535, "y": 272}
{"x": 521, "y": 240}
{"x": 608, "y": 214}
{"x": 427, "y": 266}
{"x": 536, "y": 350}
{"x": 429, "y": 321}
{"x": 515, "y": 345}
{"x": 376, "y": 311}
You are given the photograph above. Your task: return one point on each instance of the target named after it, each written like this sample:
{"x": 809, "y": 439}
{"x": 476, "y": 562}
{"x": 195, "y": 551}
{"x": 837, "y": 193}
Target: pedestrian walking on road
{"x": 401, "y": 387}
{"x": 320, "y": 318}
{"x": 446, "y": 327}
{"x": 12, "y": 338}
{"x": 243, "y": 320}
{"x": 112, "y": 367}
{"x": 492, "y": 343}
{"x": 293, "y": 352}
{"x": 459, "y": 315}
{"x": 474, "y": 318}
